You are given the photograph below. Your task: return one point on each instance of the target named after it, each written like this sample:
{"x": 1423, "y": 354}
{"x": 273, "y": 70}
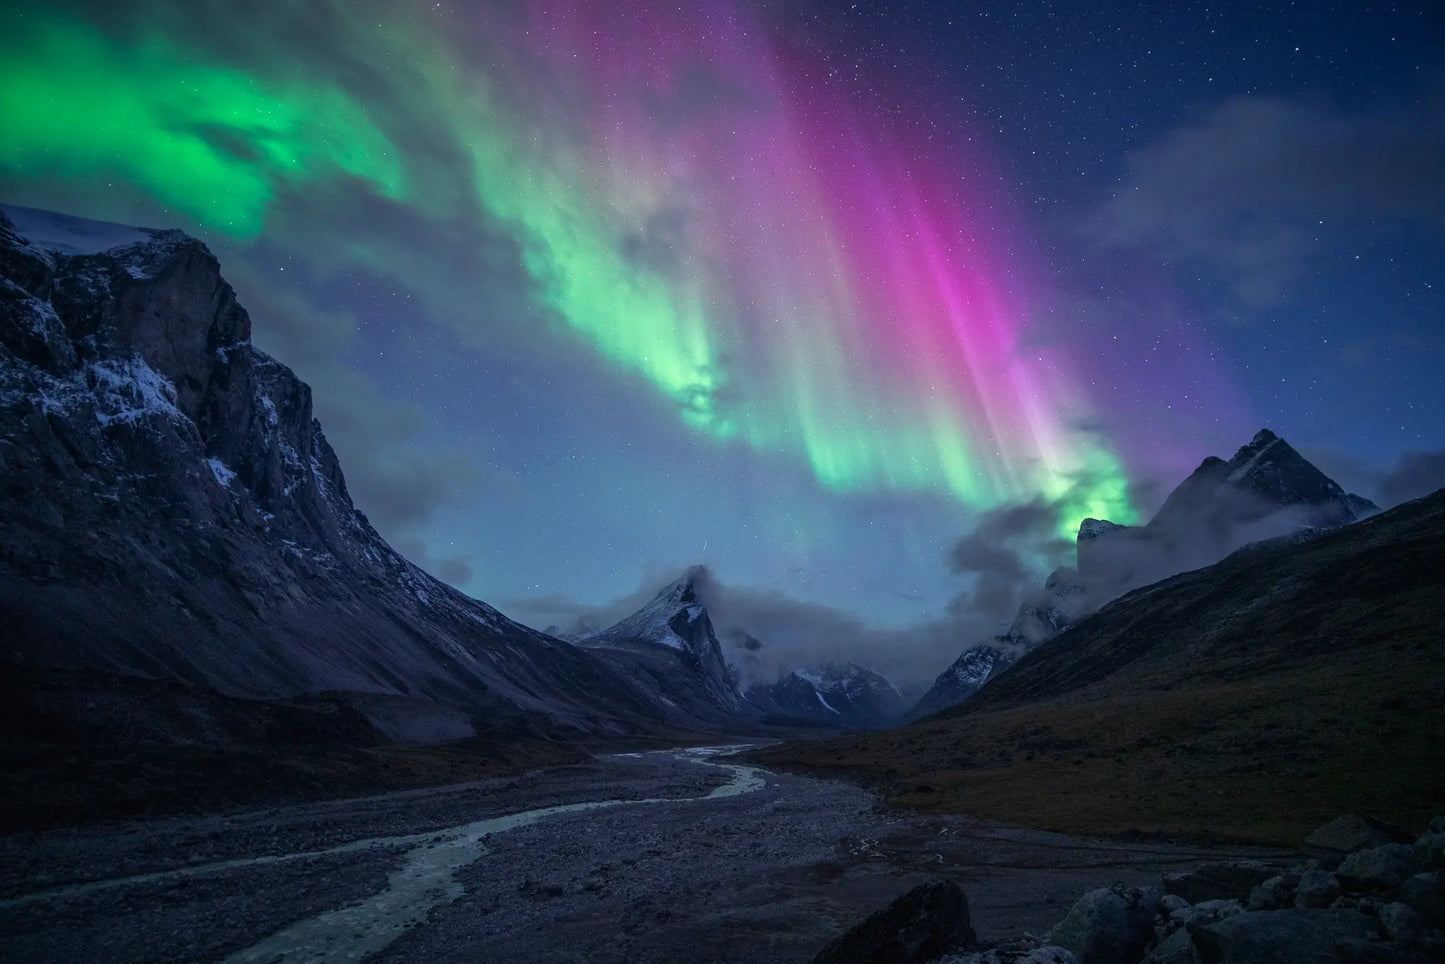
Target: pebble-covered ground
{"x": 770, "y": 869}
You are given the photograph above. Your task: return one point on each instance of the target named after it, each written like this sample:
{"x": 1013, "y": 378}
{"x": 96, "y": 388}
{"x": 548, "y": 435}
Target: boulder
{"x": 1380, "y": 868}
{"x": 1205, "y": 912}
{"x": 1177, "y": 948}
{"x": 1037, "y": 955}
{"x": 1110, "y": 925}
{"x": 1316, "y": 889}
{"x": 1169, "y": 903}
{"x": 1425, "y": 894}
{"x": 1221, "y": 881}
{"x": 1344, "y": 835}
{"x": 1432, "y": 845}
{"x": 924, "y": 923}
{"x": 1401, "y": 923}
{"x": 1282, "y": 936}
{"x": 1276, "y": 893}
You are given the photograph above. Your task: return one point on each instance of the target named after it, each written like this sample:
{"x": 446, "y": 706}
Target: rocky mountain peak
{"x": 965, "y": 676}
{"x": 1263, "y": 477}
{"x": 172, "y": 509}
{"x": 674, "y": 619}
{"x": 1266, "y": 490}
{"x": 683, "y": 591}
{"x": 1094, "y": 528}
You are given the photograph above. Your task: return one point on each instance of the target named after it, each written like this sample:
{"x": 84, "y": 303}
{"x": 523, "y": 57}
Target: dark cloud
{"x": 1002, "y": 557}
{"x": 766, "y": 633}
{"x": 787, "y": 634}
{"x": 1416, "y": 474}
{"x": 1251, "y": 189}
{"x": 1003, "y": 535}
{"x": 1413, "y": 475}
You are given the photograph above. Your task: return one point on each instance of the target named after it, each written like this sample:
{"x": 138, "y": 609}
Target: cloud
{"x": 1253, "y": 189}
{"x": 1416, "y": 474}
{"x": 1413, "y": 475}
{"x": 1002, "y": 556}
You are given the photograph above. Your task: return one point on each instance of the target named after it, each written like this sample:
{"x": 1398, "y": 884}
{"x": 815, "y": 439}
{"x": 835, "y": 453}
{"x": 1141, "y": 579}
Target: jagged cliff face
{"x": 669, "y": 651}
{"x": 170, "y": 508}
{"x": 964, "y": 677}
{"x": 1266, "y": 490}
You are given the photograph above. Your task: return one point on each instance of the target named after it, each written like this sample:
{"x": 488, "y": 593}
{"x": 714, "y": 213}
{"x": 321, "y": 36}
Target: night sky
{"x": 864, "y": 306}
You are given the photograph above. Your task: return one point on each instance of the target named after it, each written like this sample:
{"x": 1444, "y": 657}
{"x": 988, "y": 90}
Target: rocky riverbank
{"x": 1363, "y": 893}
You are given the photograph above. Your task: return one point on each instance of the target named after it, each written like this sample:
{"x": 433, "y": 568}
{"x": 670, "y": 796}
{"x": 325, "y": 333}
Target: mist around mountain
{"x": 183, "y": 573}
{"x": 1267, "y": 490}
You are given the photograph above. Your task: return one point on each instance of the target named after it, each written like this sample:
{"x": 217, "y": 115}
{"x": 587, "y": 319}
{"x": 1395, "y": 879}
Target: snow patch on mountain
{"x": 224, "y": 476}
{"x": 65, "y": 234}
{"x": 835, "y": 694}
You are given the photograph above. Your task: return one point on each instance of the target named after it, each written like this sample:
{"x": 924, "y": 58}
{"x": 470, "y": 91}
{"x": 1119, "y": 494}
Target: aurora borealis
{"x": 590, "y": 292}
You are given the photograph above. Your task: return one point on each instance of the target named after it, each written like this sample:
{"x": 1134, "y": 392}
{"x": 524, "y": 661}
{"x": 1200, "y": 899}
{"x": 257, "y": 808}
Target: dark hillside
{"x": 1255, "y": 699}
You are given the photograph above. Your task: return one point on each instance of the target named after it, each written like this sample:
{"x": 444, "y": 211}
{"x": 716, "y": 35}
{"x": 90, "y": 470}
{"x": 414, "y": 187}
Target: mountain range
{"x": 835, "y": 694}
{"x": 172, "y": 510}
{"x": 182, "y": 568}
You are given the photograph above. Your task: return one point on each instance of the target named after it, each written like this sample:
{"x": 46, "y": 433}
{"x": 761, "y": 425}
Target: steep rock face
{"x": 170, "y": 508}
{"x": 964, "y": 677}
{"x": 668, "y": 648}
{"x": 1063, "y": 601}
{"x": 846, "y": 695}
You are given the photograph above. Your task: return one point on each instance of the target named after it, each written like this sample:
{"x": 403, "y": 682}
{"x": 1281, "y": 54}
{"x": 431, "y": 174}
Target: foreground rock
{"x": 1342, "y": 836}
{"x": 1221, "y": 881}
{"x": 1380, "y": 868}
{"x": 918, "y": 927}
{"x": 1110, "y": 925}
{"x": 1381, "y": 906}
{"x": 1262, "y": 937}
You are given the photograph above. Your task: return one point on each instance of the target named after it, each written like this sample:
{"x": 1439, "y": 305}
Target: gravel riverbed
{"x": 680, "y": 855}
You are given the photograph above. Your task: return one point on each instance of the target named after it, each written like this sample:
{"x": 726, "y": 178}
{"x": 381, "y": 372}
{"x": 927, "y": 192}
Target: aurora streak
{"x": 696, "y": 200}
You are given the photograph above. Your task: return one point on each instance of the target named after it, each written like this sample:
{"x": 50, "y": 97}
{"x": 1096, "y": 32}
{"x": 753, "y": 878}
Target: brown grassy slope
{"x": 1251, "y": 700}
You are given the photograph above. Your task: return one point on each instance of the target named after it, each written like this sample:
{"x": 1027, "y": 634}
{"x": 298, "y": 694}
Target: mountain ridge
{"x": 173, "y": 510}
{"x": 833, "y": 694}
{"x": 1265, "y": 491}
{"x": 668, "y": 647}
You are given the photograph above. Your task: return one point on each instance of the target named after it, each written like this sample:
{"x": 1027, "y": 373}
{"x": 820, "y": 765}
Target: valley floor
{"x": 691, "y": 857}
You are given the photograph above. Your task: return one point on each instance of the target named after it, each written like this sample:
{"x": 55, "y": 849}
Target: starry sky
{"x": 864, "y": 306}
